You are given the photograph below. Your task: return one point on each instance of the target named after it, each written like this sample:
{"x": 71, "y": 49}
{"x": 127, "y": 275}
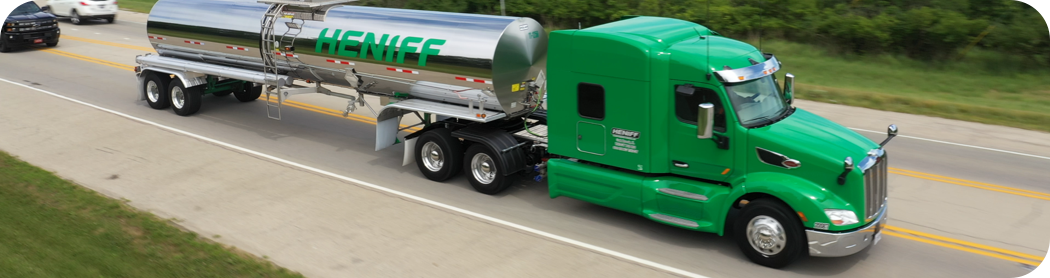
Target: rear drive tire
{"x": 156, "y": 88}
{"x": 770, "y": 233}
{"x": 74, "y": 17}
{"x": 482, "y": 167}
{"x": 184, "y": 101}
{"x": 248, "y": 93}
{"x": 439, "y": 156}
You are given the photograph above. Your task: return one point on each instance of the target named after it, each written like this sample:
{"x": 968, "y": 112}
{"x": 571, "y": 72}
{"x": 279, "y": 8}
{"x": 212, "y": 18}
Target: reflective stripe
{"x": 403, "y": 70}
{"x": 473, "y": 80}
{"x": 340, "y": 62}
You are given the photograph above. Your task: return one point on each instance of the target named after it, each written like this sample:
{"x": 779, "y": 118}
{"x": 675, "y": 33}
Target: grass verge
{"x": 51, "y": 227}
{"x": 141, "y": 6}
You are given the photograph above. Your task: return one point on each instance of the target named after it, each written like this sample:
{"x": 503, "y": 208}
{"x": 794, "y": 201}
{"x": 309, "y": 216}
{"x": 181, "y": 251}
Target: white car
{"x": 79, "y": 10}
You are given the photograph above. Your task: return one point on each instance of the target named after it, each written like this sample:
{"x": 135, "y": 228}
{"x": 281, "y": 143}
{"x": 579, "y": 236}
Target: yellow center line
{"x": 961, "y": 248}
{"x": 970, "y": 182}
{"x": 294, "y": 104}
{"x": 128, "y": 46}
{"x": 960, "y": 242}
{"x": 972, "y": 185}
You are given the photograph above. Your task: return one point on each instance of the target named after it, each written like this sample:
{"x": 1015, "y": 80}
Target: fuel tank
{"x": 447, "y": 57}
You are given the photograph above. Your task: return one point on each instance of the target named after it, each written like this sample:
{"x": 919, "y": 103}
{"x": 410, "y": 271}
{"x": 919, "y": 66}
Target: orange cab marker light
{"x": 803, "y": 216}
{"x": 726, "y": 171}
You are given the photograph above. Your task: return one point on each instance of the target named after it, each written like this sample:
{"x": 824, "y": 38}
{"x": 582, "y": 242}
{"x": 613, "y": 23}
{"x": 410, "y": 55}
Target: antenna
{"x": 760, "y": 25}
{"x": 708, "y": 19}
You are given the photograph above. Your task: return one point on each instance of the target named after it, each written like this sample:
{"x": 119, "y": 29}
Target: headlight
{"x": 841, "y": 217}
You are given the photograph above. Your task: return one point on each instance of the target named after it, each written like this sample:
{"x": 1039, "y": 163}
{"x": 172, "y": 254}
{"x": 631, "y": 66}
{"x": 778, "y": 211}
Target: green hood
{"x": 820, "y": 145}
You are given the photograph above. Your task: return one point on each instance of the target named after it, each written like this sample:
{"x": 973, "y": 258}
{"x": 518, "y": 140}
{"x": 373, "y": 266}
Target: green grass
{"x": 142, "y": 6}
{"x": 985, "y": 87}
{"x": 50, "y": 227}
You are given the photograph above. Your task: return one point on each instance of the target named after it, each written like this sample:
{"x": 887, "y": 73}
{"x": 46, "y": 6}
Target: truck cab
{"x": 669, "y": 120}
{"x": 28, "y": 25}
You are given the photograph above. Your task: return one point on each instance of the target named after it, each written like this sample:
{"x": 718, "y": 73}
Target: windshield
{"x": 27, "y": 8}
{"x": 757, "y": 101}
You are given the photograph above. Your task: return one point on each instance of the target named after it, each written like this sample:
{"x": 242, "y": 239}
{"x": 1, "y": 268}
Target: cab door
{"x": 709, "y": 159}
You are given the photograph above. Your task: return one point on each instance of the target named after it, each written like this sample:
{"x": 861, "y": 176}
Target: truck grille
{"x": 875, "y": 187}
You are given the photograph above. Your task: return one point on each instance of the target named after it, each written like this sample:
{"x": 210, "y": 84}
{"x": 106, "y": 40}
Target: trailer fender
{"x": 189, "y": 79}
{"x": 512, "y": 157}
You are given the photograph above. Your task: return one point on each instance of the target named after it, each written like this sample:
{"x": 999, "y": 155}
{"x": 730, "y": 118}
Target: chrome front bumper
{"x": 828, "y": 244}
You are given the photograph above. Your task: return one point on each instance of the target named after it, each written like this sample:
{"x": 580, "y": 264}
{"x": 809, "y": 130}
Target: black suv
{"x": 28, "y": 25}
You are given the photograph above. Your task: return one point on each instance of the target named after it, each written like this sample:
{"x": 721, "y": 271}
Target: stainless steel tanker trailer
{"x": 447, "y": 68}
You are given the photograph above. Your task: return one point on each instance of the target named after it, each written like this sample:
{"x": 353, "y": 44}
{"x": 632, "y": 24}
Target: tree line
{"x": 921, "y": 29}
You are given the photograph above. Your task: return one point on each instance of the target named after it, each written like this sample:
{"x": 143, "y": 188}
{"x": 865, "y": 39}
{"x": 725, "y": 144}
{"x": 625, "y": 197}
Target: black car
{"x": 28, "y": 25}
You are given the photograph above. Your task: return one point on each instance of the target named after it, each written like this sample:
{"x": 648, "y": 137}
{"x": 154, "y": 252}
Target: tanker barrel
{"x": 441, "y": 56}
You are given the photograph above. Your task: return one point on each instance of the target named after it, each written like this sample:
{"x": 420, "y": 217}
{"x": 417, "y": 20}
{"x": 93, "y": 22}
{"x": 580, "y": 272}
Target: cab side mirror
{"x": 46, "y": 9}
{"x": 789, "y": 87}
{"x": 705, "y": 121}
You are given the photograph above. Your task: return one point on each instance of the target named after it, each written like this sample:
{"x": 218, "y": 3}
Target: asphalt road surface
{"x": 970, "y": 210}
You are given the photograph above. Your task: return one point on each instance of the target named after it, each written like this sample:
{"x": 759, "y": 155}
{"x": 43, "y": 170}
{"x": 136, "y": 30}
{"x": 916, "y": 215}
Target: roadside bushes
{"x": 921, "y": 29}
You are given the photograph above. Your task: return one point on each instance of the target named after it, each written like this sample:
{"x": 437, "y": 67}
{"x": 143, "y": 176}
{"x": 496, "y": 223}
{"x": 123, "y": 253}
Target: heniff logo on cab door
{"x": 625, "y": 133}
{"x": 382, "y": 50}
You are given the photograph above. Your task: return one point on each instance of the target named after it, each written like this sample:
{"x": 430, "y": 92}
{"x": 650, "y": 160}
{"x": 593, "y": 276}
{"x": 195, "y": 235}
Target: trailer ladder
{"x": 272, "y": 47}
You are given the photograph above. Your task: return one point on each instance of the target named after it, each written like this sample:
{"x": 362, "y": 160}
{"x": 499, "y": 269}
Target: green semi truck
{"x": 654, "y": 116}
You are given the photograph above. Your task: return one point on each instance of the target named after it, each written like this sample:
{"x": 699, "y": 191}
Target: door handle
{"x": 680, "y": 164}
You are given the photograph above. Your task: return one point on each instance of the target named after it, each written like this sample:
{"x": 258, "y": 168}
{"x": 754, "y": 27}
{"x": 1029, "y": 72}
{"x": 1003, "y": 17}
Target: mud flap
{"x": 410, "y": 151}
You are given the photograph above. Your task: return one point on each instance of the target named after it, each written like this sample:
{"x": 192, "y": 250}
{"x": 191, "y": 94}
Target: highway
{"x": 955, "y": 211}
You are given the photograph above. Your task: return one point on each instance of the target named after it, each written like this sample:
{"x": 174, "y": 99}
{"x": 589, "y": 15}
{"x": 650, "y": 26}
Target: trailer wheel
{"x": 248, "y": 93}
{"x": 185, "y": 101}
{"x": 482, "y": 167}
{"x": 439, "y": 155}
{"x": 156, "y": 88}
{"x": 770, "y": 234}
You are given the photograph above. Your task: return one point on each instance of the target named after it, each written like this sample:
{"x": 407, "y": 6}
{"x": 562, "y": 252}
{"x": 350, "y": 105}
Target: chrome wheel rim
{"x": 433, "y": 158}
{"x": 178, "y": 98}
{"x": 766, "y": 235}
{"x": 483, "y": 168}
{"x": 75, "y": 19}
{"x": 153, "y": 91}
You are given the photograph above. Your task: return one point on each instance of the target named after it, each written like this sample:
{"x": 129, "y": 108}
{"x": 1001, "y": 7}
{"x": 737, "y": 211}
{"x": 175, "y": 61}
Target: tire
{"x": 488, "y": 180}
{"x": 74, "y": 18}
{"x": 111, "y": 19}
{"x": 3, "y": 47}
{"x": 156, "y": 88}
{"x": 248, "y": 93}
{"x": 439, "y": 156}
{"x": 768, "y": 215}
{"x": 184, "y": 101}
{"x": 52, "y": 44}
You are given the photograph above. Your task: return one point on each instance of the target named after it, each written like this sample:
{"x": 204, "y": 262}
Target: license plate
{"x": 101, "y": 6}
{"x": 38, "y": 41}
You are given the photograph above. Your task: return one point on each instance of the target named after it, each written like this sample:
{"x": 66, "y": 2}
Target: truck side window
{"x": 590, "y": 101}
{"x": 687, "y": 106}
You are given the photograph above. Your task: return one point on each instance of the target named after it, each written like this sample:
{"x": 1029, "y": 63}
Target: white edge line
{"x": 957, "y": 144}
{"x": 384, "y": 189}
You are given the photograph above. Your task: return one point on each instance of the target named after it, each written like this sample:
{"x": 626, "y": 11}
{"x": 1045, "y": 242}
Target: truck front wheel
{"x": 156, "y": 88}
{"x": 185, "y": 101}
{"x": 439, "y": 155}
{"x": 769, "y": 233}
{"x": 483, "y": 170}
